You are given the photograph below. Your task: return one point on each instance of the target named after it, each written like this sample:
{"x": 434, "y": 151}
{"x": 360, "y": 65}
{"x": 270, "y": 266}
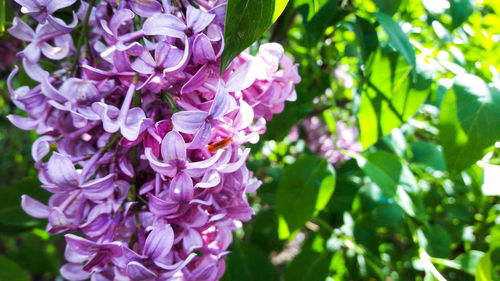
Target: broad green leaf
{"x": 468, "y": 261}
{"x": 485, "y": 270}
{"x": 388, "y": 6}
{"x": 367, "y": 37}
{"x": 460, "y": 10}
{"x": 305, "y": 188}
{"x": 390, "y": 96}
{"x": 468, "y": 123}
{"x": 321, "y": 20}
{"x": 428, "y": 154}
{"x": 393, "y": 178}
{"x": 308, "y": 266}
{"x": 397, "y": 38}
{"x": 11, "y": 213}
{"x": 9, "y": 270}
{"x": 246, "y": 20}
{"x": 248, "y": 263}
{"x": 435, "y": 240}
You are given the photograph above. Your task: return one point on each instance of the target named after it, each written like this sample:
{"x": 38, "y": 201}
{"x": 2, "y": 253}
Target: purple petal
{"x": 59, "y": 51}
{"x": 21, "y": 30}
{"x": 61, "y": 26}
{"x": 178, "y": 266}
{"x": 241, "y": 78}
{"x": 41, "y": 147}
{"x": 210, "y": 179}
{"x": 121, "y": 17}
{"x": 197, "y": 19}
{"x": 196, "y": 81}
{"x": 173, "y": 147}
{"x": 59, "y": 4}
{"x": 160, "y": 167}
{"x": 159, "y": 242}
{"x": 163, "y": 24}
{"x": 221, "y": 104}
{"x": 202, "y": 136}
{"x": 99, "y": 189}
{"x": 144, "y": 64}
{"x": 181, "y": 187}
{"x": 203, "y": 51}
{"x": 138, "y": 272}
{"x": 34, "y": 208}
{"x": 34, "y": 71}
{"x": 61, "y": 170}
{"x": 232, "y": 167}
{"x": 32, "y": 52}
{"x": 145, "y": 8}
{"x": 74, "y": 271}
{"x": 192, "y": 240}
{"x": 161, "y": 207}
{"x": 23, "y": 123}
{"x": 189, "y": 121}
{"x": 98, "y": 226}
{"x": 135, "y": 123}
{"x": 207, "y": 162}
{"x": 81, "y": 245}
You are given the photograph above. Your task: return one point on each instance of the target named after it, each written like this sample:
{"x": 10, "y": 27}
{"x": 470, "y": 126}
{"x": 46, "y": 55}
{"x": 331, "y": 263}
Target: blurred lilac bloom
{"x": 42, "y": 11}
{"x": 130, "y": 122}
{"x": 201, "y": 123}
{"x": 176, "y": 165}
{"x": 39, "y": 41}
{"x": 170, "y": 25}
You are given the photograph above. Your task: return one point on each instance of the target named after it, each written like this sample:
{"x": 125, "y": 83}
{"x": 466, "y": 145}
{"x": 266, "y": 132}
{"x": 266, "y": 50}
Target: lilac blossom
{"x": 141, "y": 140}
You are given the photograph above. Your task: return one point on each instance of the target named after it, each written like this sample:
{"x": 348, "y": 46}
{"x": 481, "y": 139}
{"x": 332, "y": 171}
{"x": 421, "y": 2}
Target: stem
{"x": 170, "y": 101}
{"x": 83, "y": 34}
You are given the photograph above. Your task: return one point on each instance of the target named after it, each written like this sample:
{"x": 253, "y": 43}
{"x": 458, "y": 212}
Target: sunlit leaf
{"x": 246, "y": 20}
{"x": 305, "y": 188}
{"x": 468, "y": 123}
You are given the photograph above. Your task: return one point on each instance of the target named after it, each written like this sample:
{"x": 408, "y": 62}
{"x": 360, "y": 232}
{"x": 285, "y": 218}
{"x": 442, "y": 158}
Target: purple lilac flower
{"x": 142, "y": 142}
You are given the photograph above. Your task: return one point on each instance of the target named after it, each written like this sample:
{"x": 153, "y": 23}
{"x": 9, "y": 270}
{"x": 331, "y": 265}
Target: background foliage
{"x": 414, "y": 205}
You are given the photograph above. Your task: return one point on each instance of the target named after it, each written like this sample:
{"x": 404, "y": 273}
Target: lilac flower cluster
{"x": 320, "y": 140}
{"x": 141, "y": 138}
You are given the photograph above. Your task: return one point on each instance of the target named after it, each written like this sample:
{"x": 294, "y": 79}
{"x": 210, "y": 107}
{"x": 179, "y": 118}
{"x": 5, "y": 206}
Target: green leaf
{"x": 9, "y": 270}
{"x": 248, "y": 263}
{"x": 390, "y": 96}
{"x": 435, "y": 240}
{"x": 321, "y": 20}
{"x": 428, "y": 154}
{"x": 388, "y": 6}
{"x": 11, "y": 213}
{"x": 2, "y": 16}
{"x": 367, "y": 37}
{"x": 394, "y": 179}
{"x": 307, "y": 266}
{"x": 460, "y": 11}
{"x": 485, "y": 270}
{"x": 468, "y": 123}
{"x": 246, "y": 20}
{"x": 468, "y": 261}
{"x": 397, "y": 38}
{"x": 305, "y": 188}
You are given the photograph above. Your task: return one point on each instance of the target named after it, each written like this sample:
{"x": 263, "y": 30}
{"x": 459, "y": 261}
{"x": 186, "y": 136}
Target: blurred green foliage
{"x": 425, "y": 96}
